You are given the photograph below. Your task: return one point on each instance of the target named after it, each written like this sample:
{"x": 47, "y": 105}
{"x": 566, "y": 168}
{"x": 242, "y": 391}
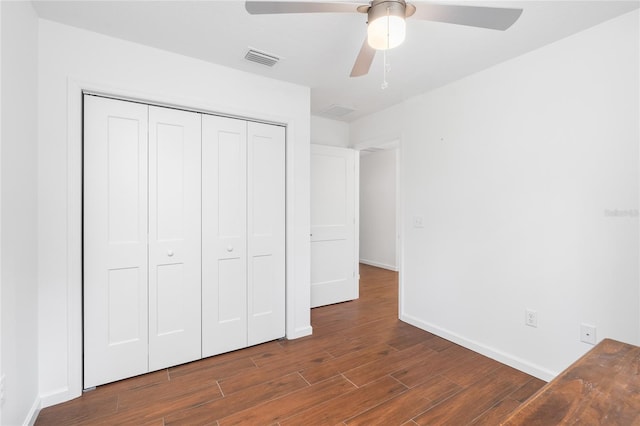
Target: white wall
{"x": 518, "y": 171}
{"x": 73, "y": 59}
{"x": 18, "y": 244}
{"x": 329, "y": 132}
{"x": 378, "y": 129}
{"x": 378, "y": 209}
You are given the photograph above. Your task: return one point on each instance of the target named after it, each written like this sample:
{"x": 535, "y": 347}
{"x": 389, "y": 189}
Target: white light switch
{"x": 418, "y": 222}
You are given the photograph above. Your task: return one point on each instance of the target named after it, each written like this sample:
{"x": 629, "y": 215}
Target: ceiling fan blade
{"x": 364, "y": 60}
{"x": 271, "y": 7}
{"x": 496, "y": 18}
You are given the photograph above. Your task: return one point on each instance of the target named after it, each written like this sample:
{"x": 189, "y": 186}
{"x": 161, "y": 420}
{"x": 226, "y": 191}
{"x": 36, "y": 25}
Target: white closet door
{"x": 266, "y": 232}
{"x": 224, "y": 244}
{"x": 115, "y": 240}
{"x": 174, "y": 237}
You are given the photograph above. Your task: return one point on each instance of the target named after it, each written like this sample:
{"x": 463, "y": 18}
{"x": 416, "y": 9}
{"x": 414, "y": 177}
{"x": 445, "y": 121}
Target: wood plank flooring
{"x": 362, "y": 366}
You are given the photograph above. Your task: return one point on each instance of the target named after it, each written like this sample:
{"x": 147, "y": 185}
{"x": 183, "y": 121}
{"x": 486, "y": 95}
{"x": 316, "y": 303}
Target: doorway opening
{"x": 380, "y": 218}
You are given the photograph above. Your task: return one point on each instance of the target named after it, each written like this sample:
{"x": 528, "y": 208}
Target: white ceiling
{"x": 318, "y": 50}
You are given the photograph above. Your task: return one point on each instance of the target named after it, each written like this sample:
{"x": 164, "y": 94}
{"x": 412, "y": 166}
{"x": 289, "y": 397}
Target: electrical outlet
{"x": 531, "y": 318}
{"x": 588, "y": 334}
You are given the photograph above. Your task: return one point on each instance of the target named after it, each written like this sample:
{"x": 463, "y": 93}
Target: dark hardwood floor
{"x": 362, "y": 366}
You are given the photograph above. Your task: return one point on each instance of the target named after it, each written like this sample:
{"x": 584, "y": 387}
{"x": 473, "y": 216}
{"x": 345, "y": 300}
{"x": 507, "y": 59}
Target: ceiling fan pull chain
{"x": 385, "y": 84}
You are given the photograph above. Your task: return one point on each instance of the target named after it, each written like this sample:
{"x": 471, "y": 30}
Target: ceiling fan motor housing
{"x": 379, "y": 8}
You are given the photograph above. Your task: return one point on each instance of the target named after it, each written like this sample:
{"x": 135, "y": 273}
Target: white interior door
{"x": 115, "y": 240}
{"x": 174, "y": 237}
{"x": 265, "y": 232}
{"x": 334, "y": 266}
{"x": 224, "y": 230}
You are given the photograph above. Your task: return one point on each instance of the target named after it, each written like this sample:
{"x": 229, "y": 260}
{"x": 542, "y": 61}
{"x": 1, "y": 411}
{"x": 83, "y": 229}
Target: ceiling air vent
{"x": 261, "y": 58}
{"x": 337, "y": 111}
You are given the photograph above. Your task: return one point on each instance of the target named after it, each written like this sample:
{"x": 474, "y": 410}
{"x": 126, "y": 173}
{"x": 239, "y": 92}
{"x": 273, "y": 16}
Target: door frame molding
{"x": 396, "y": 145}
{"x": 75, "y": 90}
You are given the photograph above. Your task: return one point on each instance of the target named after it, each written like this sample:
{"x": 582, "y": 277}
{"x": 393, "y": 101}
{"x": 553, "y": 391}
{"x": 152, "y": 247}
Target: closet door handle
{"x": 169, "y": 253}
{"x": 229, "y": 248}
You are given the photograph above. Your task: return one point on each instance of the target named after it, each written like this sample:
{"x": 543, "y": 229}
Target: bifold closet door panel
{"x": 266, "y": 232}
{"x": 114, "y": 240}
{"x": 224, "y": 233}
{"x": 174, "y": 237}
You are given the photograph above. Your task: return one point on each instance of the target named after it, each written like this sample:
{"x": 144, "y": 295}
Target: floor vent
{"x": 261, "y": 58}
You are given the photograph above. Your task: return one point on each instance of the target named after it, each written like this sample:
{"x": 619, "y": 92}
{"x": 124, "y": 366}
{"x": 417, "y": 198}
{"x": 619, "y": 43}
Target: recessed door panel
{"x": 263, "y": 282}
{"x": 124, "y": 180}
{"x": 174, "y": 237}
{"x": 266, "y": 232}
{"x": 170, "y": 186}
{"x": 224, "y": 244}
{"x": 171, "y": 306}
{"x": 329, "y": 189}
{"x": 231, "y": 303}
{"x": 124, "y": 325}
{"x": 231, "y": 168}
{"x": 114, "y": 240}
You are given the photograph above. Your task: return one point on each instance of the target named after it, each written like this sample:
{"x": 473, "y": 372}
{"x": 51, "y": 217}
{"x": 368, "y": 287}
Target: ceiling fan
{"x": 386, "y": 19}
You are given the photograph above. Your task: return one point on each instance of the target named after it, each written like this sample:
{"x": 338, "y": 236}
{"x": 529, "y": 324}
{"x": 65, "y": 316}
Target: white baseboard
{"x": 510, "y": 360}
{"x": 56, "y": 397}
{"x": 379, "y": 265}
{"x": 33, "y": 413}
{"x": 300, "y": 332}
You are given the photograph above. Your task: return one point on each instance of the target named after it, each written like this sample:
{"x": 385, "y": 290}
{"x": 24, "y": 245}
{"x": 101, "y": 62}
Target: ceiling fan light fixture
{"x": 386, "y": 28}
